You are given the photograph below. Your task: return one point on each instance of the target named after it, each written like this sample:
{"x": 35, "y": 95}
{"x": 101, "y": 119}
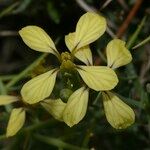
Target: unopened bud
{"x": 65, "y": 94}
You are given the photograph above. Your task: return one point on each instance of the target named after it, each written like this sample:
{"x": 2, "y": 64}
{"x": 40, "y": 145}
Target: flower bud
{"x": 65, "y": 94}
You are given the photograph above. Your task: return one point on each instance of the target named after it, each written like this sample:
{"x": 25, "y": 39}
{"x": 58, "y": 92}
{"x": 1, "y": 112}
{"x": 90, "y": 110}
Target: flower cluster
{"x": 99, "y": 78}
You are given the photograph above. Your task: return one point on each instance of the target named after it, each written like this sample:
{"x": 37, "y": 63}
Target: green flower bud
{"x": 65, "y": 94}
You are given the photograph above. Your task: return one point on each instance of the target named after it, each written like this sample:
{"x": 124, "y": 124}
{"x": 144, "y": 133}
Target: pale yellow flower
{"x": 89, "y": 28}
{"x": 17, "y": 116}
{"x": 118, "y": 114}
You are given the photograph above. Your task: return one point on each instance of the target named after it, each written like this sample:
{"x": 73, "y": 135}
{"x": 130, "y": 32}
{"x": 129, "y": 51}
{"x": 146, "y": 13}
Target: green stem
{"x": 3, "y": 90}
{"x": 37, "y": 126}
{"x": 97, "y": 98}
{"x": 7, "y": 77}
{"x": 32, "y": 128}
{"x": 136, "y": 33}
{"x": 102, "y": 56}
{"x": 57, "y": 142}
{"x": 86, "y": 138}
{"x": 131, "y": 102}
{"x": 142, "y": 43}
{"x": 129, "y": 44}
{"x": 26, "y": 71}
{"x": 9, "y": 9}
{"x": 130, "y": 68}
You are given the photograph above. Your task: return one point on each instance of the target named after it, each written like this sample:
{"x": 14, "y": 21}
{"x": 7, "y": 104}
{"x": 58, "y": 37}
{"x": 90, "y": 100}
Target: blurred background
{"x": 128, "y": 20}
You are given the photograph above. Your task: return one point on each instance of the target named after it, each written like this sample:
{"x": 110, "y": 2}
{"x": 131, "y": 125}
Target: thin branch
{"x": 85, "y": 6}
{"x": 8, "y": 33}
{"x": 105, "y": 4}
{"x": 142, "y": 43}
{"x": 129, "y": 18}
{"x": 145, "y": 68}
{"x": 133, "y": 38}
{"x": 26, "y": 71}
{"x": 57, "y": 142}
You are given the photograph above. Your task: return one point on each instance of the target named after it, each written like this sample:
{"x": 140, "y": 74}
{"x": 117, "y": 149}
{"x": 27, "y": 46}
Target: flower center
{"x": 66, "y": 61}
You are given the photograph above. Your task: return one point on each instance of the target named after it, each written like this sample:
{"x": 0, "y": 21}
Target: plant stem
{"x": 57, "y": 142}
{"x": 131, "y": 102}
{"x": 3, "y": 90}
{"x": 102, "y": 56}
{"x": 37, "y": 126}
{"x": 129, "y": 44}
{"x": 87, "y": 138}
{"x": 7, "y": 77}
{"x": 142, "y": 43}
{"x": 136, "y": 33}
{"x": 131, "y": 69}
{"x": 97, "y": 98}
{"x": 32, "y": 128}
{"x": 26, "y": 71}
{"x": 9, "y": 9}
{"x": 129, "y": 18}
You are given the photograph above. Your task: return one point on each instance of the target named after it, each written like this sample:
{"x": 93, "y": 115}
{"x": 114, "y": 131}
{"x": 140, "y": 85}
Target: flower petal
{"x": 117, "y": 54}
{"x": 37, "y": 39}
{"x": 83, "y": 54}
{"x": 76, "y": 107}
{"x": 39, "y": 87}
{"x": 89, "y": 28}
{"x": 16, "y": 121}
{"x": 99, "y": 78}
{"x": 69, "y": 40}
{"x": 54, "y": 107}
{"x": 6, "y": 99}
{"x": 118, "y": 114}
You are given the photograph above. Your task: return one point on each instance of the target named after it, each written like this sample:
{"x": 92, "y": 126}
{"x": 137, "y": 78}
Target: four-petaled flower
{"x": 99, "y": 78}
{"x": 89, "y": 28}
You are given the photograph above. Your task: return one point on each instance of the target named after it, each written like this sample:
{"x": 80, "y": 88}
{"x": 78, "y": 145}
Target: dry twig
{"x": 8, "y": 33}
{"x": 129, "y": 18}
